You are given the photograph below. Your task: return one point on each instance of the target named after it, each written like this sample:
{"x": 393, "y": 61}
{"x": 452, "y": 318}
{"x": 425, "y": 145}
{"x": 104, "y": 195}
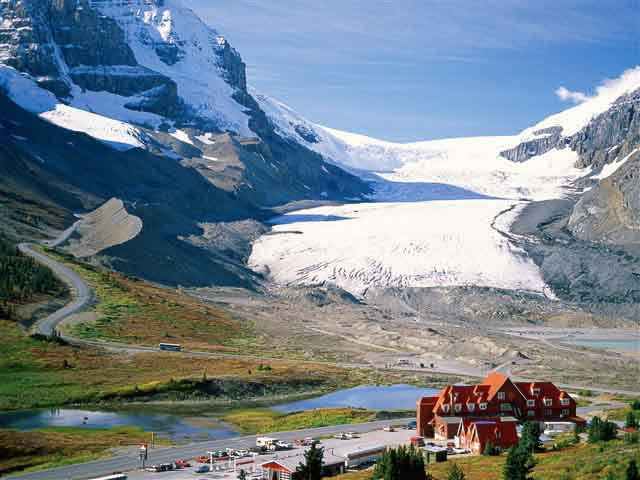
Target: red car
{"x": 202, "y": 459}
{"x": 182, "y": 464}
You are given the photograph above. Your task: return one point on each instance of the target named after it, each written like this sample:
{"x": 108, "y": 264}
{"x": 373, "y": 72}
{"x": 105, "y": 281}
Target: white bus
{"x": 363, "y": 456}
{"x": 171, "y": 347}
{"x": 115, "y": 476}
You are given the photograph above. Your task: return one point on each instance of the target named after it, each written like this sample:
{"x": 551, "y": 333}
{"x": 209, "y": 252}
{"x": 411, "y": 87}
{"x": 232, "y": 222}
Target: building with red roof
{"x": 496, "y": 396}
{"x": 476, "y": 434}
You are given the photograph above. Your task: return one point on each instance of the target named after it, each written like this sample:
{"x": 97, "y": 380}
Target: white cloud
{"x": 576, "y": 97}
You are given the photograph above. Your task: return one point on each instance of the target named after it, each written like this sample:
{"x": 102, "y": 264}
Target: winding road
{"x": 80, "y": 291}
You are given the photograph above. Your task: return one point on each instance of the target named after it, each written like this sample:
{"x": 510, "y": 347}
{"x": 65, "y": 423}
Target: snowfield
{"x": 413, "y": 244}
{"x": 444, "y": 207}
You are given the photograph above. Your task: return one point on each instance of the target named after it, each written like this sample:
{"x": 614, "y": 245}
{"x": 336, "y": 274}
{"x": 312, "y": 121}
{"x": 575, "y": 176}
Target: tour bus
{"x": 115, "y": 476}
{"x": 171, "y": 347}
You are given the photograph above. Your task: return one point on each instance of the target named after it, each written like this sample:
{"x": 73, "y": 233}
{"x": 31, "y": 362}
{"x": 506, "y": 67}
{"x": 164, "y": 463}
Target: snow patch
{"x": 26, "y": 93}
{"x": 610, "y": 168}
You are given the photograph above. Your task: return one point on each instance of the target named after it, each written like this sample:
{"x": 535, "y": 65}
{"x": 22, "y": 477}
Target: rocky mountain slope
{"x": 571, "y": 180}
{"x": 143, "y": 102}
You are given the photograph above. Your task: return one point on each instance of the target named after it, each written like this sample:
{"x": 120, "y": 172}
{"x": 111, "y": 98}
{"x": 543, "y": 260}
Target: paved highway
{"x": 128, "y": 462}
{"x": 80, "y": 291}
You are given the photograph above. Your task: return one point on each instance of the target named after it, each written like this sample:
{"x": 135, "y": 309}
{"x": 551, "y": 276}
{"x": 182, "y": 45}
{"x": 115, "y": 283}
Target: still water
{"x": 165, "y": 425}
{"x": 394, "y": 397}
{"x": 626, "y": 345}
{"x": 195, "y": 428}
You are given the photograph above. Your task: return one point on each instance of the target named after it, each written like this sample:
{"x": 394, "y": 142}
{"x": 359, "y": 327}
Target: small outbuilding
{"x": 286, "y": 468}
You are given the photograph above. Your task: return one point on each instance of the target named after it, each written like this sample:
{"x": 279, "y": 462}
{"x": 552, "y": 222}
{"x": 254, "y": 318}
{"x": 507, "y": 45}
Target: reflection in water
{"x": 394, "y": 397}
{"x": 172, "y": 426}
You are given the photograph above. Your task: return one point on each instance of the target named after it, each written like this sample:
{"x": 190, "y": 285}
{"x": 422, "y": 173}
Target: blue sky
{"x": 421, "y": 69}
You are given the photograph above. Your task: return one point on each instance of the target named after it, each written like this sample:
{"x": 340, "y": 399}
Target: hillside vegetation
{"x": 582, "y": 462}
{"x": 21, "y": 279}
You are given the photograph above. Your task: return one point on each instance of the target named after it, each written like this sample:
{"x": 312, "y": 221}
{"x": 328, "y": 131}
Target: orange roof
{"x": 495, "y": 381}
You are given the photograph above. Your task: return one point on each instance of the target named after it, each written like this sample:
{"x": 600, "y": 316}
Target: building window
{"x": 483, "y": 406}
{"x": 501, "y": 396}
{"x": 445, "y": 408}
{"x": 531, "y": 403}
{"x": 564, "y": 402}
{"x": 547, "y": 402}
{"x": 498, "y": 434}
{"x": 548, "y": 412}
{"x": 530, "y": 413}
{"x": 536, "y": 391}
{"x": 505, "y": 407}
{"x": 471, "y": 407}
{"x": 457, "y": 407}
{"x": 565, "y": 411}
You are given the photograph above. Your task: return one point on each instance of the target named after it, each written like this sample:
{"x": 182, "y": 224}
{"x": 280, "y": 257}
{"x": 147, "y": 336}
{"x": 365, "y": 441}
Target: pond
{"x": 618, "y": 344}
{"x": 393, "y": 397}
{"x": 175, "y": 427}
{"x": 197, "y": 427}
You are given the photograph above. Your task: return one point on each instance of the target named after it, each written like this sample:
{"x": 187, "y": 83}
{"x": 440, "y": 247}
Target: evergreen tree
{"x": 311, "y": 467}
{"x": 531, "y": 437}
{"x": 242, "y": 475}
{"x": 489, "y": 449}
{"x": 602, "y": 430}
{"x": 632, "y": 471}
{"x": 631, "y": 421}
{"x": 402, "y": 463}
{"x": 455, "y": 473}
{"x": 519, "y": 464}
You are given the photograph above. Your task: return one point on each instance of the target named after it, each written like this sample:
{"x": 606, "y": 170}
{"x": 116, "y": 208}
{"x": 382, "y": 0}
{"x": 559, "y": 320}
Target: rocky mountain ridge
{"x": 186, "y": 168}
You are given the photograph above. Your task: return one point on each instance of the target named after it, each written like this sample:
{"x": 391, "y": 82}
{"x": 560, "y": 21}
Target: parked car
{"x": 411, "y": 425}
{"x": 461, "y": 450}
{"x": 389, "y": 429}
{"x": 182, "y": 464}
{"x": 202, "y": 459}
{"x": 351, "y": 435}
{"x": 340, "y": 436}
{"x": 202, "y": 469}
{"x": 281, "y": 445}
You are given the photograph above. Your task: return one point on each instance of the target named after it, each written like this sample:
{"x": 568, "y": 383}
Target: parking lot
{"x": 251, "y": 463}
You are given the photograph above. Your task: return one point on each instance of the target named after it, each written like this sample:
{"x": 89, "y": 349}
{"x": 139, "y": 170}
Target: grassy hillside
{"x": 58, "y": 446}
{"x": 581, "y": 462}
{"x": 39, "y": 373}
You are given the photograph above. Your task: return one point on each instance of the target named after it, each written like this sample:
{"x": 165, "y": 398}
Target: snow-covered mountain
{"x": 463, "y": 196}
{"x": 141, "y": 100}
{"x": 167, "y": 96}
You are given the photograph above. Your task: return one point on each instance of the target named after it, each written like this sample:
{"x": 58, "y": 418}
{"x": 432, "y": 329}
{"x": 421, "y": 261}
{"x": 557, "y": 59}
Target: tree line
{"x": 21, "y": 278}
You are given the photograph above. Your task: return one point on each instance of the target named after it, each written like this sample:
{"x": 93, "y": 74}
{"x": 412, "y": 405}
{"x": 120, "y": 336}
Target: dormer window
{"x": 445, "y": 408}
{"x": 564, "y": 402}
{"x": 536, "y": 391}
{"x": 501, "y": 396}
{"x": 547, "y": 402}
{"x": 471, "y": 407}
{"x": 457, "y": 407}
{"x": 531, "y": 402}
{"x": 483, "y": 406}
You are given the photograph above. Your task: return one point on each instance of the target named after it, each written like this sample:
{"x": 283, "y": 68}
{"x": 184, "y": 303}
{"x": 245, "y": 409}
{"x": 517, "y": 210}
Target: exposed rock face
{"x": 611, "y": 135}
{"x": 107, "y": 226}
{"x": 610, "y": 212}
{"x": 231, "y": 62}
{"x": 549, "y": 138}
{"x": 65, "y": 42}
{"x": 27, "y": 43}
